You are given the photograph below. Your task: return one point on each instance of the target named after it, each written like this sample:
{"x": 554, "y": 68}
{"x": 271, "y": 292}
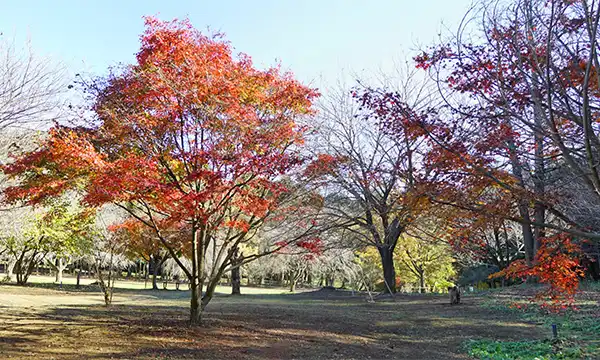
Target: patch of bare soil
{"x": 318, "y": 325}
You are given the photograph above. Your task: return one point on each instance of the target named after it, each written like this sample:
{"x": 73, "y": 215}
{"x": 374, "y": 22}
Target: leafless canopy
{"x": 30, "y": 87}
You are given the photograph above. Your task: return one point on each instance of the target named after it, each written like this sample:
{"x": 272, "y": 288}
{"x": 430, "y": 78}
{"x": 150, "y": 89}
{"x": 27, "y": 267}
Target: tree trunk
{"x": 235, "y": 281}
{"x": 147, "y": 273}
{"x": 422, "y": 283}
{"x": 78, "y": 278}
{"x": 9, "y": 269}
{"x": 60, "y": 267}
{"x": 389, "y": 273}
{"x": 24, "y": 266}
{"x": 104, "y": 287}
{"x": 20, "y": 280}
{"x": 539, "y": 177}
{"x": 523, "y": 206}
{"x": 195, "y": 312}
{"x": 107, "y": 297}
{"x": 236, "y": 278}
{"x": 196, "y": 280}
{"x": 155, "y": 269}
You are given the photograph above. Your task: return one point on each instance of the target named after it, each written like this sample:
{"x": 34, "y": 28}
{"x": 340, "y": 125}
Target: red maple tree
{"x": 189, "y": 136}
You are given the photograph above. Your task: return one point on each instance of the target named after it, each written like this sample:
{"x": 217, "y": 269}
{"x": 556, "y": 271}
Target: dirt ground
{"x": 38, "y": 323}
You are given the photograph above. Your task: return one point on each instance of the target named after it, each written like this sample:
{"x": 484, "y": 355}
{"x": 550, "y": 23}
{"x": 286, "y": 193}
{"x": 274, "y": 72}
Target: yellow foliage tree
{"x": 423, "y": 263}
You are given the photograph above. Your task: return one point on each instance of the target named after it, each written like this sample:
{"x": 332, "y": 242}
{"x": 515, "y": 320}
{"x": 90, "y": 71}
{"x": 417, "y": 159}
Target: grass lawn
{"x": 578, "y": 331}
{"x": 69, "y": 281}
{"x": 43, "y": 323}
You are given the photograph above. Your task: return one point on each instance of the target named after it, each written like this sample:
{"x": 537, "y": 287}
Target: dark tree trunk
{"x": 155, "y": 269}
{"x": 236, "y": 281}
{"x": 24, "y": 266}
{"x": 389, "y": 273}
{"x": 195, "y": 311}
{"x": 523, "y": 207}
{"x": 236, "y": 278}
{"x": 197, "y": 276}
{"x": 78, "y": 278}
{"x": 21, "y": 280}
{"x": 539, "y": 178}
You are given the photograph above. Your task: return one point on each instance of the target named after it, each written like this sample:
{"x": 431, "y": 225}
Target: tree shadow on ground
{"x": 307, "y": 326}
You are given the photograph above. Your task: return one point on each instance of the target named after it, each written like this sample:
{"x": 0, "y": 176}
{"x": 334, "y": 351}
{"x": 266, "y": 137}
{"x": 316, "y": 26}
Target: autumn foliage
{"x": 557, "y": 265}
{"x": 308, "y": 248}
{"x": 514, "y": 136}
{"x": 190, "y": 137}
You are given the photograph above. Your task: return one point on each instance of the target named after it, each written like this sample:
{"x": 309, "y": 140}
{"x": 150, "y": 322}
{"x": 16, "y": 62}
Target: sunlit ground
{"x": 46, "y": 323}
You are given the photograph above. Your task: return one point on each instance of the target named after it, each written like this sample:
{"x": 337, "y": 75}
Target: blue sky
{"x": 317, "y": 39}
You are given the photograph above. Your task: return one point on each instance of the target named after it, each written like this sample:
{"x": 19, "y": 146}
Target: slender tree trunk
{"x": 10, "y": 265}
{"x": 78, "y": 278}
{"x": 195, "y": 281}
{"x": 539, "y": 176}
{"x": 422, "y": 282}
{"x": 147, "y": 272}
{"x": 155, "y": 269}
{"x": 24, "y": 266}
{"x": 104, "y": 287}
{"x": 19, "y": 268}
{"x": 523, "y": 207}
{"x": 60, "y": 267}
{"x": 236, "y": 278}
{"x": 389, "y": 273}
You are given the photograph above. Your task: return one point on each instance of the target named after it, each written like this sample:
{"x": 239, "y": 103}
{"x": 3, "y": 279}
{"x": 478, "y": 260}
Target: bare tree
{"x": 106, "y": 253}
{"x": 31, "y": 87}
{"x": 371, "y": 188}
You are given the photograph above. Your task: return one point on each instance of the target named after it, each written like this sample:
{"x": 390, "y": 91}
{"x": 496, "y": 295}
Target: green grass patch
{"x": 526, "y": 350}
{"x": 578, "y": 334}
